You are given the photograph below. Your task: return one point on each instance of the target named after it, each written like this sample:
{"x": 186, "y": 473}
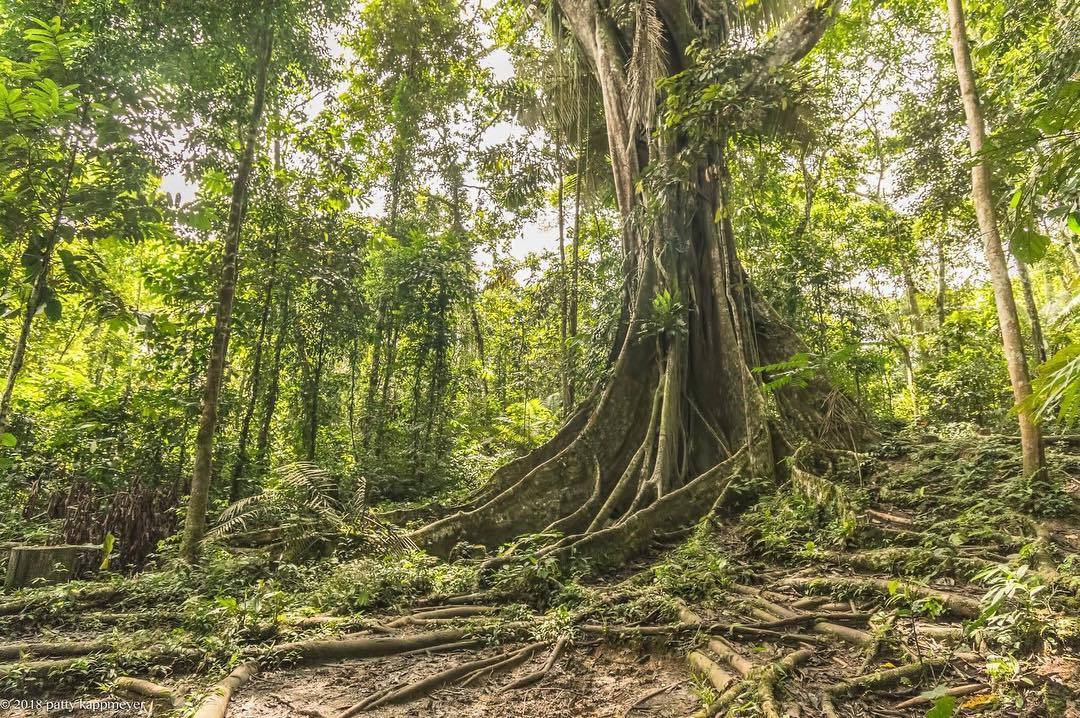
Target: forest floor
{"x": 910, "y": 581}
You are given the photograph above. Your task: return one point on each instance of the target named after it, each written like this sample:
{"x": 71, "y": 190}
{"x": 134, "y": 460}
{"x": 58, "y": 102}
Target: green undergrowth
{"x": 958, "y": 477}
{"x": 959, "y": 488}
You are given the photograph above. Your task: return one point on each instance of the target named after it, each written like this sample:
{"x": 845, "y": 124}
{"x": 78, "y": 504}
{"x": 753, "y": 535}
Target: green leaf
{"x": 1028, "y": 245}
{"x": 1074, "y": 223}
{"x": 8, "y": 440}
{"x": 53, "y": 308}
{"x": 943, "y": 707}
{"x": 1017, "y": 195}
{"x": 107, "y": 549}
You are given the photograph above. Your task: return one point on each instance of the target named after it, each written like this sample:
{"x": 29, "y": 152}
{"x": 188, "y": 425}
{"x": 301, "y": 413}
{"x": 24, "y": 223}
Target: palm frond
{"x": 749, "y": 16}
{"x": 646, "y": 65}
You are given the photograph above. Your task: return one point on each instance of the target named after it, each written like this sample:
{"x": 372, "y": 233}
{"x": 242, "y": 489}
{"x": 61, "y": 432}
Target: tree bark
{"x": 911, "y": 293}
{"x": 1011, "y": 339}
{"x": 195, "y": 521}
{"x": 370, "y": 407}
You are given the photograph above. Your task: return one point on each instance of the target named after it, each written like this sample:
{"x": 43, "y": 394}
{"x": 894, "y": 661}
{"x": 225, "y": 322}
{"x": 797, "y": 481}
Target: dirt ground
{"x": 601, "y": 681}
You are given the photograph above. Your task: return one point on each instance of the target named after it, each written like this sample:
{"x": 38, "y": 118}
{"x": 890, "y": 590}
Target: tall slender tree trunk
{"x": 1011, "y": 339}
{"x": 195, "y": 521}
{"x": 384, "y": 413}
{"x": 942, "y": 288}
{"x": 918, "y": 327}
{"x": 37, "y": 290}
{"x": 354, "y": 355}
{"x": 256, "y": 380}
{"x": 374, "y": 372}
{"x": 575, "y": 278}
{"x": 381, "y": 351}
{"x": 564, "y": 294}
{"x": 1038, "y": 341}
{"x": 262, "y": 442}
{"x": 313, "y": 407}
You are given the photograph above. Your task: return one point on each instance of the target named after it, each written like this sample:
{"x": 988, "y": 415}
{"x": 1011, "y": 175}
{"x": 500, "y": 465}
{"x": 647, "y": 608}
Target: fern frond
{"x": 301, "y": 500}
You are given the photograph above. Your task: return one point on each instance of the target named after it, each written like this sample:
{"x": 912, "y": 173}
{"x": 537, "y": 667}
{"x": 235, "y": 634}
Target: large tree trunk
{"x": 195, "y": 522}
{"x": 1011, "y": 339}
{"x": 682, "y": 414}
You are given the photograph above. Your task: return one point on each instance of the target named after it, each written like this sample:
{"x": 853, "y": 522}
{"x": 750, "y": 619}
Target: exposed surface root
{"x": 314, "y": 651}
{"x": 217, "y": 703}
{"x": 146, "y": 689}
{"x": 464, "y": 671}
{"x": 962, "y": 606}
{"x": 846, "y": 633}
{"x": 12, "y": 651}
{"x": 537, "y": 676}
{"x": 89, "y": 596}
{"x": 754, "y": 607}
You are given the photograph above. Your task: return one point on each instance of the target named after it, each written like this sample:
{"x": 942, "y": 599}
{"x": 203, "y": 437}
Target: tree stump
{"x": 28, "y": 565}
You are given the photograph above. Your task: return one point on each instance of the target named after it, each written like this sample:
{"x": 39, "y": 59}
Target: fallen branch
{"x": 964, "y": 690}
